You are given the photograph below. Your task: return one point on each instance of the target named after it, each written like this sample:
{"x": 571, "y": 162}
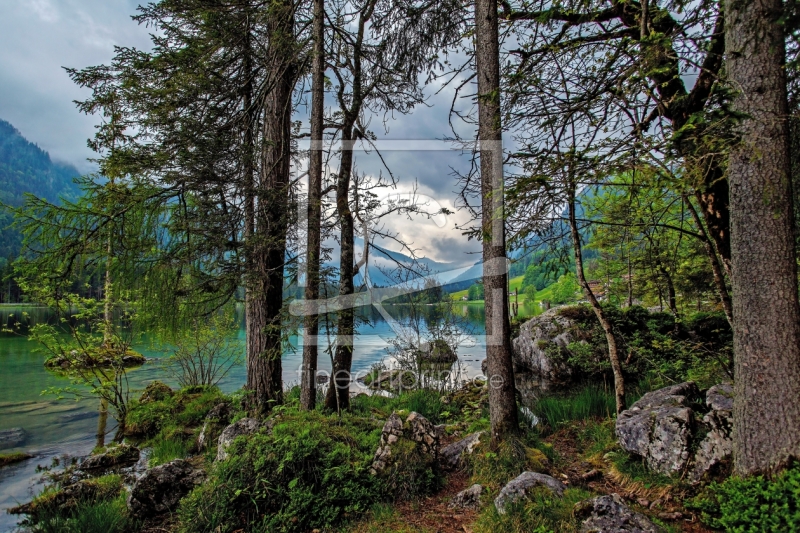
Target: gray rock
{"x": 122, "y": 455}
{"x": 216, "y": 419}
{"x": 161, "y": 488}
{"x": 609, "y": 514}
{"x": 538, "y": 338}
{"x": 717, "y": 446}
{"x": 417, "y": 429}
{"x": 451, "y": 456}
{"x": 518, "y": 487}
{"x": 659, "y": 427}
{"x": 468, "y": 498}
{"x": 11, "y": 438}
{"x": 720, "y": 397}
{"x": 245, "y": 426}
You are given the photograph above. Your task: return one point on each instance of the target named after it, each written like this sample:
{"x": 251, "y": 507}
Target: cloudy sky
{"x": 39, "y": 37}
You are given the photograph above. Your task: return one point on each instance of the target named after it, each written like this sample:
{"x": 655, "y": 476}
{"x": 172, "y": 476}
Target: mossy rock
{"x": 436, "y": 352}
{"x": 101, "y": 357}
{"x": 155, "y": 392}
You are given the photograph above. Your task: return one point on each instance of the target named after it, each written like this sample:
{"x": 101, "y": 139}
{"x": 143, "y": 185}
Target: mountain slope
{"x": 26, "y": 168}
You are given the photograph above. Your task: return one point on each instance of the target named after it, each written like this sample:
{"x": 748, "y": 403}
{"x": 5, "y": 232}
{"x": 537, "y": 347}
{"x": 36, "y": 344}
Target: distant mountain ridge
{"x": 26, "y": 168}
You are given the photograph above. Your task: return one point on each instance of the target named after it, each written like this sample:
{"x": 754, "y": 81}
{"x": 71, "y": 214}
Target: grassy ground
{"x": 11, "y": 458}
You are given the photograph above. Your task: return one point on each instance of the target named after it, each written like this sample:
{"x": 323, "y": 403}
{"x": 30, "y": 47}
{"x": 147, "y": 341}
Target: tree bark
{"x": 264, "y": 369}
{"x": 500, "y": 371}
{"x": 338, "y": 396}
{"x": 605, "y": 323}
{"x": 308, "y": 385}
{"x": 766, "y": 339}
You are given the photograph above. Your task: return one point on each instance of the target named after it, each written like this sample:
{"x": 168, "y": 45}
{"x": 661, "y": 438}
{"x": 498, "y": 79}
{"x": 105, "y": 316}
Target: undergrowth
{"x": 752, "y": 505}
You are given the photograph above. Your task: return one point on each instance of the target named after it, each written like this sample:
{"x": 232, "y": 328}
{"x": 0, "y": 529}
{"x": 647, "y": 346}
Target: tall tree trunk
{"x": 308, "y": 385}
{"x": 500, "y": 371}
{"x": 766, "y": 339}
{"x": 264, "y": 369}
{"x": 338, "y": 395}
{"x": 605, "y": 323}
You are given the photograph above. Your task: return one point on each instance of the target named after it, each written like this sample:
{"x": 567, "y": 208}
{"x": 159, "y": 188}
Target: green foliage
{"x": 541, "y": 512}
{"x": 96, "y": 516}
{"x": 752, "y": 505}
{"x": 311, "y": 471}
{"x": 206, "y": 350}
{"x": 589, "y": 402}
{"x": 654, "y": 346}
{"x": 475, "y": 292}
{"x": 426, "y": 402}
{"x": 565, "y": 290}
{"x": 530, "y": 293}
{"x": 492, "y": 466}
{"x": 188, "y": 407}
{"x": 166, "y": 446}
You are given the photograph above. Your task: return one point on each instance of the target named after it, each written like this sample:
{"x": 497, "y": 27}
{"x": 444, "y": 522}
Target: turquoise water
{"x": 56, "y": 428}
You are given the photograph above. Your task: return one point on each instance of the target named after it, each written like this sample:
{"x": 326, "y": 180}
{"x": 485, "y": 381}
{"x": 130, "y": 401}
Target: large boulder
{"x": 716, "y": 447}
{"x": 116, "y": 456}
{"x": 468, "y": 498}
{"x": 161, "y": 488}
{"x": 541, "y": 344}
{"x": 518, "y": 488}
{"x": 676, "y": 431}
{"x": 609, "y": 514}
{"x": 659, "y": 427}
{"x": 452, "y": 455}
{"x": 245, "y": 426}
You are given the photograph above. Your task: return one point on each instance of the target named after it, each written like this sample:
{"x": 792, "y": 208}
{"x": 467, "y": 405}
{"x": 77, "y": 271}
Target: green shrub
{"x": 187, "y": 407}
{"x": 493, "y": 466}
{"x": 541, "y": 512}
{"x": 166, "y": 446}
{"x": 93, "y": 516}
{"x": 588, "y": 402}
{"x": 755, "y": 504}
{"x": 311, "y": 471}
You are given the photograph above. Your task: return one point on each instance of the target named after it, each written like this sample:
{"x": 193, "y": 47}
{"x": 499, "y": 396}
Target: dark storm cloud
{"x": 37, "y": 39}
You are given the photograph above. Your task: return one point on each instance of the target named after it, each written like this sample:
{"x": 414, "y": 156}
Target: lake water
{"x": 58, "y": 428}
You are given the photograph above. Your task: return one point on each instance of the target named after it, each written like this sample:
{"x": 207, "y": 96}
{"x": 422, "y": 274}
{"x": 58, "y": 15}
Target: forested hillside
{"x": 26, "y": 168}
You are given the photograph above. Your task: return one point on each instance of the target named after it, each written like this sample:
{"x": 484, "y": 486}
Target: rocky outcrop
{"x": 117, "y": 456}
{"x": 451, "y": 456}
{"x": 12, "y": 438}
{"x": 436, "y": 352}
{"x": 717, "y": 445}
{"x": 245, "y": 426}
{"x": 541, "y": 344}
{"x": 417, "y": 430}
{"x": 666, "y": 429}
{"x": 161, "y": 488}
{"x": 518, "y": 488}
{"x": 216, "y": 421}
{"x": 609, "y": 514}
{"x": 468, "y": 498}
{"x": 659, "y": 427}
